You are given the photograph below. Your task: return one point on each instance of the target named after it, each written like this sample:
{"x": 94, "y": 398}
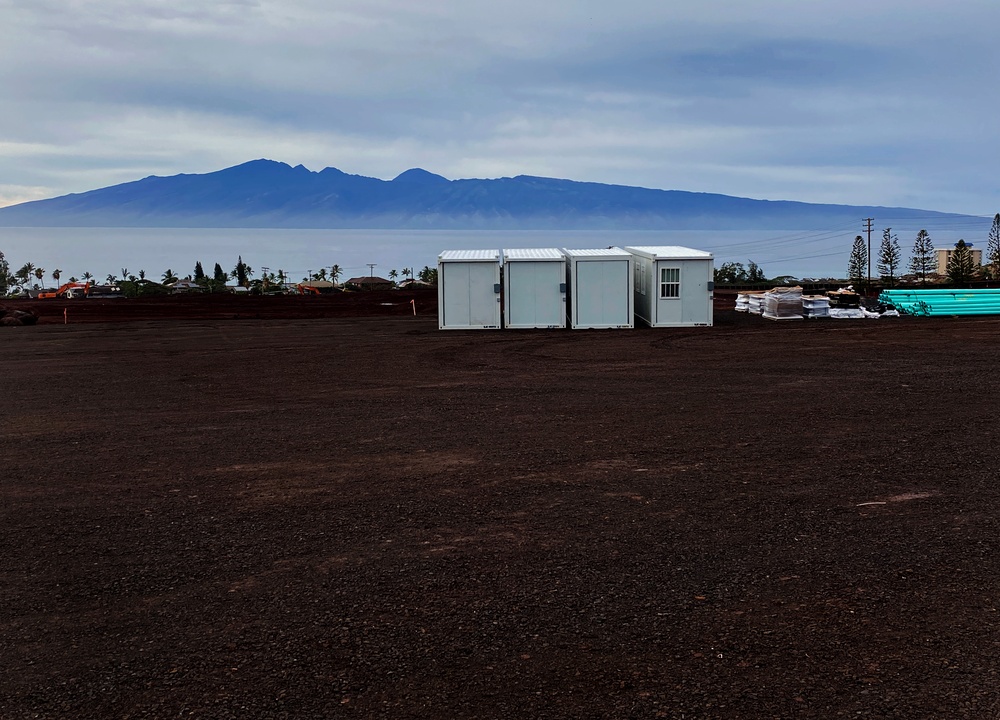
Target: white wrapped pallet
{"x": 755, "y": 304}
{"x": 814, "y": 306}
{"x": 783, "y": 303}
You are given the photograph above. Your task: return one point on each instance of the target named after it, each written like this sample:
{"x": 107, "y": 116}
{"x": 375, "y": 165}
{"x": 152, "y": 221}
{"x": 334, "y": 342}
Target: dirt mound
{"x": 16, "y": 318}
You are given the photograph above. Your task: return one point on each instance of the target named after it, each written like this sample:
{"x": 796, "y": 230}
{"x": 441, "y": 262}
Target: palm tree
{"x": 169, "y": 277}
{"x": 321, "y": 275}
{"x": 24, "y": 273}
{"x": 408, "y": 272}
{"x": 111, "y": 279}
{"x": 39, "y": 273}
{"x": 335, "y": 273}
{"x": 56, "y": 274}
{"x": 142, "y": 274}
{"x": 87, "y": 277}
{"x": 124, "y": 273}
{"x": 393, "y": 275}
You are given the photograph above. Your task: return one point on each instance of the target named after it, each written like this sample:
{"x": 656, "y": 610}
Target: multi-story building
{"x": 944, "y": 255}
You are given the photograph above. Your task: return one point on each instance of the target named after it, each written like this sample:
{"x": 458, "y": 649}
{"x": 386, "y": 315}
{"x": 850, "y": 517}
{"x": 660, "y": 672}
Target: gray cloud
{"x": 819, "y": 101}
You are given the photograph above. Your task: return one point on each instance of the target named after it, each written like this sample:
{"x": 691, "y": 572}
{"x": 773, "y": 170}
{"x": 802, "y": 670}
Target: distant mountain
{"x": 269, "y": 194}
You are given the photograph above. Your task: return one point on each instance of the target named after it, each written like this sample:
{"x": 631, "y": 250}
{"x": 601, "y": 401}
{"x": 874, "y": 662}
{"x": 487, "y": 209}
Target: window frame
{"x": 670, "y": 283}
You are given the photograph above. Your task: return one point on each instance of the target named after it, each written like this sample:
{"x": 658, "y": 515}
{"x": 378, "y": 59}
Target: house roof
{"x": 369, "y": 280}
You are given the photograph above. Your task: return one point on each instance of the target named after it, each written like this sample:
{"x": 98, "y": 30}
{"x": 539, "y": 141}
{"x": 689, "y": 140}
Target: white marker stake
{"x": 65, "y": 320}
{"x": 414, "y": 304}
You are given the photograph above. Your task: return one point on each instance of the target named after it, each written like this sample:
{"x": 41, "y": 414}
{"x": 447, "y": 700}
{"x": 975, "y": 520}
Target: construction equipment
{"x": 69, "y": 290}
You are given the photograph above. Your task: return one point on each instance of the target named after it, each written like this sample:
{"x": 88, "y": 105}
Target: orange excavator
{"x": 305, "y": 289}
{"x": 69, "y": 290}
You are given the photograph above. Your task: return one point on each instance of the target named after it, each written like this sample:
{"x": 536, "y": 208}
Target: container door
{"x": 602, "y": 293}
{"x": 469, "y": 295}
{"x": 535, "y": 297}
{"x": 669, "y": 285}
{"x": 696, "y": 299}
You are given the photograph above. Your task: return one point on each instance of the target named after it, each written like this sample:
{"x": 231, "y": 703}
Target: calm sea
{"x": 103, "y": 251}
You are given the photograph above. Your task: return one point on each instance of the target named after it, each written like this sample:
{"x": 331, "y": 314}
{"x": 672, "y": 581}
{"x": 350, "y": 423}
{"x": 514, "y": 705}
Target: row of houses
{"x": 662, "y": 286}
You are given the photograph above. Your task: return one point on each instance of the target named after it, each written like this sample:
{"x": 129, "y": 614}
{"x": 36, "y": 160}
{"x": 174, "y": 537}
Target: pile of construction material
{"x": 16, "y": 318}
{"x": 750, "y": 302}
{"x": 783, "y": 303}
{"x": 815, "y": 306}
{"x": 936, "y": 302}
{"x": 845, "y": 304}
{"x": 788, "y": 303}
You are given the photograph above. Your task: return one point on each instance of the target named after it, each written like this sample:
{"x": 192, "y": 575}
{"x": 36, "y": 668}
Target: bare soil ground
{"x": 246, "y": 511}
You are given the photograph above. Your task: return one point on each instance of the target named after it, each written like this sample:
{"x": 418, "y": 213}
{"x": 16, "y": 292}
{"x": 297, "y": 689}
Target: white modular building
{"x": 469, "y": 289}
{"x": 599, "y": 288}
{"x": 673, "y": 285}
{"x": 534, "y": 288}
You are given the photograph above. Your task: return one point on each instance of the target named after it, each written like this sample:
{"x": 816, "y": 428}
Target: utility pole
{"x": 264, "y": 270}
{"x": 371, "y": 269}
{"x": 868, "y": 229}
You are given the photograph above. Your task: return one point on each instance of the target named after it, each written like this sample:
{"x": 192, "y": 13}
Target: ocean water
{"x": 103, "y": 251}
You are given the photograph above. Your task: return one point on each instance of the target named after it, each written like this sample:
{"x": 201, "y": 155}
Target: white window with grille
{"x": 670, "y": 283}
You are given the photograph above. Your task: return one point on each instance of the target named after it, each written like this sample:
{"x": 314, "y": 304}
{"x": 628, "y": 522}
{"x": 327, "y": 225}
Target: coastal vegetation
{"x": 30, "y": 277}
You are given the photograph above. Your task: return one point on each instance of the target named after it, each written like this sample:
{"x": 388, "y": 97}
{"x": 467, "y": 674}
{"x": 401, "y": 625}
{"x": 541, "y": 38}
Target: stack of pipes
{"x": 936, "y": 302}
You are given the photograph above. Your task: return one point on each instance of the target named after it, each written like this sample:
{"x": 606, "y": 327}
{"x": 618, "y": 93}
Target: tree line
{"x": 961, "y": 268}
{"x": 31, "y": 276}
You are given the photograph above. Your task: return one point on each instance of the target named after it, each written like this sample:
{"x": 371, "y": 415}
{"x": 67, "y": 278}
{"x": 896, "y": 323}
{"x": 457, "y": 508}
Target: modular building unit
{"x": 469, "y": 289}
{"x": 600, "y": 288}
{"x": 534, "y": 285}
{"x": 673, "y": 285}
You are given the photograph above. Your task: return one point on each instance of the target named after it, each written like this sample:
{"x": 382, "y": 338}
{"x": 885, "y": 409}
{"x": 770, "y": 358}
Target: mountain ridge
{"x": 266, "y": 193}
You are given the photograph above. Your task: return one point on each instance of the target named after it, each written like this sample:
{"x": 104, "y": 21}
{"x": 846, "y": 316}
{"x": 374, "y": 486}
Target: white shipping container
{"x": 673, "y": 286}
{"x": 469, "y": 290}
{"x": 599, "y": 284}
{"x": 534, "y": 285}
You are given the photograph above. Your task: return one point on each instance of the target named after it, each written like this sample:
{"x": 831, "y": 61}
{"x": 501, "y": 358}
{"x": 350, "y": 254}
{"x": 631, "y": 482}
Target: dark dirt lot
{"x": 233, "y": 517}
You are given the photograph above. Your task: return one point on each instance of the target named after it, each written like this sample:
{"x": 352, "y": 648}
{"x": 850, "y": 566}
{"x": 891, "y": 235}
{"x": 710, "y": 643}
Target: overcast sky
{"x": 887, "y": 102}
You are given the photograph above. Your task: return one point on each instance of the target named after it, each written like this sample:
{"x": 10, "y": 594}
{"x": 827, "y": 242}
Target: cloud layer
{"x": 851, "y": 102}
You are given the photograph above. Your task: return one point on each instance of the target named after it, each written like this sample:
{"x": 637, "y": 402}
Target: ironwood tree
{"x": 993, "y": 247}
{"x": 240, "y": 274}
{"x": 889, "y": 258}
{"x": 922, "y": 261}
{"x": 220, "y": 274}
{"x": 857, "y": 263}
{"x": 199, "y": 272}
{"x": 961, "y": 265}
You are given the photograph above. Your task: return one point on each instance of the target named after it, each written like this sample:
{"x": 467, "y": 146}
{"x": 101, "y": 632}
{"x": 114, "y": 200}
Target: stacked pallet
{"x": 814, "y": 306}
{"x": 744, "y": 299}
{"x": 783, "y": 303}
